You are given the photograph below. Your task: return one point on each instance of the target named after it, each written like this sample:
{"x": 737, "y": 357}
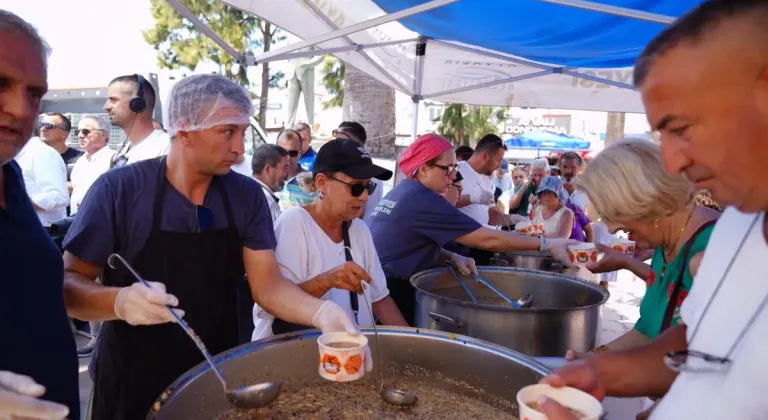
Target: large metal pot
{"x": 465, "y": 365}
{"x": 529, "y": 260}
{"x": 565, "y": 313}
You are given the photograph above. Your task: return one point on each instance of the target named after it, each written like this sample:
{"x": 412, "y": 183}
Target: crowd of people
{"x": 290, "y": 239}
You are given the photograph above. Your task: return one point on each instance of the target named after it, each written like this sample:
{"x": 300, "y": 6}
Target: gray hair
{"x": 266, "y": 155}
{"x": 540, "y": 163}
{"x": 101, "y": 123}
{"x": 627, "y": 182}
{"x": 10, "y": 22}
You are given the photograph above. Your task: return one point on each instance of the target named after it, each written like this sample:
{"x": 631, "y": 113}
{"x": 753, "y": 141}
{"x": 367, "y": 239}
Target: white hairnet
{"x": 540, "y": 163}
{"x": 202, "y": 101}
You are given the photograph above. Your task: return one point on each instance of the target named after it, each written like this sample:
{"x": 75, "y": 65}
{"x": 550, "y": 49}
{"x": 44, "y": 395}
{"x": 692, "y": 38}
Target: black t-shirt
{"x": 35, "y": 336}
{"x": 70, "y": 156}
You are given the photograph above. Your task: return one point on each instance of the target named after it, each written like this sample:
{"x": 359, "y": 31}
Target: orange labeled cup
{"x": 342, "y": 356}
{"x": 625, "y": 246}
{"x": 583, "y": 253}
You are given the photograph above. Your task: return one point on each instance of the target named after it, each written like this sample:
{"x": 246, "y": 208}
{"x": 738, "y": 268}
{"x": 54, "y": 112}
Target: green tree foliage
{"x": 333, "y": 81}
{"x": 180, "y": 44}
{"x": 465, "y": 124}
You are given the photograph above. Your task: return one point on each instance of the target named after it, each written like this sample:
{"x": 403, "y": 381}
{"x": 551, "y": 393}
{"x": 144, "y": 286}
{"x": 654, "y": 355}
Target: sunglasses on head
{"x": 49, "y": 126}
{"x": 357, "y": 189}
{"x": 86, "y": 131}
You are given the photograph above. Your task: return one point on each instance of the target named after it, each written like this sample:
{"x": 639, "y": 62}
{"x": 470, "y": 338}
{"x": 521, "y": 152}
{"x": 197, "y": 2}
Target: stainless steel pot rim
{"x": 593, "y": 286}
{"x": 485, "y": 346}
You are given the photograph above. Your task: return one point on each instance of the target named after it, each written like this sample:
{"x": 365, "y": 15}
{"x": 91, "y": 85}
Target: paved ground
{"x": 618, "y": 316}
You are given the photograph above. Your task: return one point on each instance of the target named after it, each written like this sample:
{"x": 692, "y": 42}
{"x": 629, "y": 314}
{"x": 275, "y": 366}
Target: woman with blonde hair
{"x": 630, "y": 190}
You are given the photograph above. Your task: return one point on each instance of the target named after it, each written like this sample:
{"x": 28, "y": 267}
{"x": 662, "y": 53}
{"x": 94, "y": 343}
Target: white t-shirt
{"x": 45, "y": 179}
{"x": 551, "y": 225}
{"x": 472, "y": 181}
{"x": 579, "y": 199}
{"x": 737, "y": 391}
{"x": 155, "y": 145}
{"x": 307, "y": 251}
{"x": 85, "y": 172}
{"x": 274, "y": 207}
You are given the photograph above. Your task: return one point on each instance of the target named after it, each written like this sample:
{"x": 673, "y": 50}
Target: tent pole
{"x": 322, "y": 16}
{"x": 615, "y": 10}
{"x": 333, "y": 50}
{"x": 433, "y": 4}
{"x": 206, "y": 30}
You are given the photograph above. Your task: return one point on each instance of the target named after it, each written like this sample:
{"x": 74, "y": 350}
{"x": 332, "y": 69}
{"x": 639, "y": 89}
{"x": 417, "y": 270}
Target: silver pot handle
{"x": 448, "y": 320}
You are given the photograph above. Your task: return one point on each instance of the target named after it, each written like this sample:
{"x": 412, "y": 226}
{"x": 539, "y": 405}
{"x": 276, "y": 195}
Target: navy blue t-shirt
{"x": 116, "y": 214}
{"x": 35, "y": 336}
{"x": 410, "y": 225}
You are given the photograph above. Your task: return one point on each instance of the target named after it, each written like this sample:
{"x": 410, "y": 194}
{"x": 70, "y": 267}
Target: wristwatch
{"x": 544, "y": 243}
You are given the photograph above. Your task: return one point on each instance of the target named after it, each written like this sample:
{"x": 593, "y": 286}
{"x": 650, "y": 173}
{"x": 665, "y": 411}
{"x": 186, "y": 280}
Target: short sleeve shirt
{"x": 116, "y": 214}
{"x": 410, "y": 225}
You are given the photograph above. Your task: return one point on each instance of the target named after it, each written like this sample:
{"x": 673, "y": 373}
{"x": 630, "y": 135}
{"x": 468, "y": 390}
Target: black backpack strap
{"x": 353, "y": 302}
{"x": 670, "y": 310}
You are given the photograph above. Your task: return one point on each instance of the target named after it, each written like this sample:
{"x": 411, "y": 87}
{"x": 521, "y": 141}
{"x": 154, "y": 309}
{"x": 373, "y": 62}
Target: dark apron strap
{"x": 353, "y": 302}
{"x": 670, "y": 309}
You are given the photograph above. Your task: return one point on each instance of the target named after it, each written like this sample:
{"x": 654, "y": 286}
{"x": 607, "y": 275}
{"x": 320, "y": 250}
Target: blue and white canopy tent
{"x": 568, "y": 54}
{"x": 533, "y": 144}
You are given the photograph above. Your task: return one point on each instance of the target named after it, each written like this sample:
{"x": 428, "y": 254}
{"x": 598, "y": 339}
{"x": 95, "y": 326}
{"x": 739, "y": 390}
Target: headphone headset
{"x": 137, "y": 103}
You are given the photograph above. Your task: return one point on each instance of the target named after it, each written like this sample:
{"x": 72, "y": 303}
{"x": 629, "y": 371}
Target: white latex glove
{"x": 481, "y": 196}
{"x": 19, "y": 398}
{"x": 332, "y": 318}
{"x": 465, "y": 265}
{"x": 558, "y": 247}
{"x": 142, "y": 305}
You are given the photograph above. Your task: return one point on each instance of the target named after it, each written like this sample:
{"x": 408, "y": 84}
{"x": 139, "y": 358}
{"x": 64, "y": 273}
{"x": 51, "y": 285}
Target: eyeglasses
{"x": 86, "y": 131}
{"x": 695, "y": 361}
{"x": 449, "y": 170}
{"x": 293, "y": 153}
{"x": 358, "y": 189}
{"x": 118, "y": 161}
{"x": 459, "y": 188}
{"x": 49, "y": 126}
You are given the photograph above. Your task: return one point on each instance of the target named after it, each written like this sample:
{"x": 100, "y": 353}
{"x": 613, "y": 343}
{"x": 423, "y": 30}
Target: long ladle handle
{"x": 496, "y": 289}
{"x": 449, "y": 264}
{"x": 376, "y": 337}
{"x": 179, "y": 320}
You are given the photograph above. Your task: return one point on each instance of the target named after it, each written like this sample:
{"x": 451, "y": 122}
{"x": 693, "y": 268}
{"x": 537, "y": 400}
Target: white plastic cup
{"x": 568, "y": 397}
{"x": 341, "y": 365}
{"x": 625, "y": 246}
{"x": 582, "y": 253}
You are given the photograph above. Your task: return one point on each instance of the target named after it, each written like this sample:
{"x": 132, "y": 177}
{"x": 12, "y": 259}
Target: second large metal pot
{"x": 565, "y": 314}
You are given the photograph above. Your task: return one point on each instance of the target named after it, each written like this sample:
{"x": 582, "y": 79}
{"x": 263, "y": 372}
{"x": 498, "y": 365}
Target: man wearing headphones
{"x": 130, "y": 104}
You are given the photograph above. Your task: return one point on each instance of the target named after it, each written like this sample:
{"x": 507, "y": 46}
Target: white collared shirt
{"x": 155, "y": 145}
{"x": 473, "y": 181}
{"x": 725, "y": 300}
{"x": 274, "y": 206}
{"x": 45, "y": 178}
{"x": 87, "y": 169}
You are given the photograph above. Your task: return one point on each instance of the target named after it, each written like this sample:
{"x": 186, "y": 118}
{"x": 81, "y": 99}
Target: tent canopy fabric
{"x": 543, "y": 32}
{"x": 545, "y": 140}
{"x": 528, "y": 53}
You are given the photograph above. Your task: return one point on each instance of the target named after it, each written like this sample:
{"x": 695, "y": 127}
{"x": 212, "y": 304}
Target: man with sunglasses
{"x": 290, "y": 140}
{"x": 704, "y": 84}
{"x": 355, "y": 131}
{"x": 54, "y": 131}
{"x": 93, "y": 133}
{"x": 193, "y": 229}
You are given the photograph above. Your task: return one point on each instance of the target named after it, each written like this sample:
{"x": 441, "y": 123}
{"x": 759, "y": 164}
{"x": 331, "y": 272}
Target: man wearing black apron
{"x": 193, "y": 229}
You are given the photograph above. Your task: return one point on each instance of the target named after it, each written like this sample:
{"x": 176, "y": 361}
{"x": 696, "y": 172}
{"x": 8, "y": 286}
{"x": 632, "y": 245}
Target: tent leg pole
{"x": 415, "y": 128}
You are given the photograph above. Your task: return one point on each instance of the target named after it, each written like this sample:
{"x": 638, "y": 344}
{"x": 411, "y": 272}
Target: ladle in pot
{"x": 461, "y": 282}
{"x": 392, "y": 396}
{"x": 251, "y": 396}
{"x": 524, "y": 302}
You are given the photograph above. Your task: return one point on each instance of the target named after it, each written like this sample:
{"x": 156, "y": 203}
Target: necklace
{"x": 668, "y": 254}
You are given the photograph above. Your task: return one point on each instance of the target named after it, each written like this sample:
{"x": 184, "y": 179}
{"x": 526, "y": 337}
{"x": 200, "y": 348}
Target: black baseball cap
{"x": 349, "y": 157}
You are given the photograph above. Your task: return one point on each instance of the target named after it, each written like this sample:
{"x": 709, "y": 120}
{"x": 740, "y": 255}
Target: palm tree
{"x": 465, "y": 124}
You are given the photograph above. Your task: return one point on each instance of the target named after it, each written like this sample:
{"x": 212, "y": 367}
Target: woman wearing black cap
{"x": 318, "y": 242}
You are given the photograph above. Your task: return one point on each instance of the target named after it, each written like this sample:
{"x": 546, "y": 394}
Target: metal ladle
{"x": 525, "y": 301}
{"x": 251, "y": 396}
{"x": 391, "y": 395}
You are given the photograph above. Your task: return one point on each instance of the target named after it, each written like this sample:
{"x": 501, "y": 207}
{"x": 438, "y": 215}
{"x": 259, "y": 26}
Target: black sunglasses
{"x": 449, "y": 170}
{"x": 49, "y": 126}
{"x": 357, "y": 189}
{"x": 118, "y": 161}
{"x": 86, "y": 131}
{"x": 292, "y": 153}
